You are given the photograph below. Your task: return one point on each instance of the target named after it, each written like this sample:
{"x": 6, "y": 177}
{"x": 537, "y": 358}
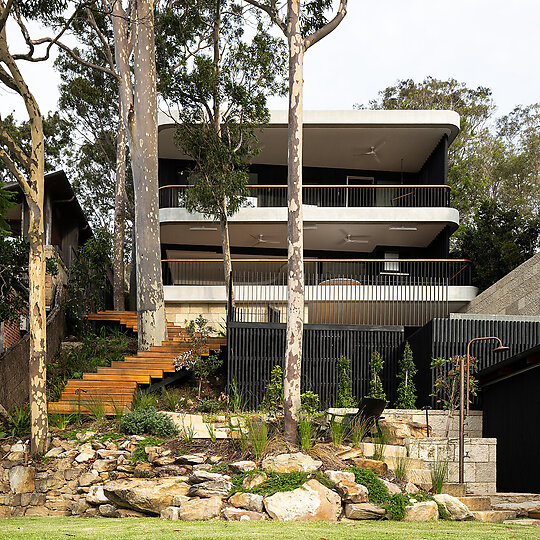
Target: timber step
{"x": 113, "y": 388}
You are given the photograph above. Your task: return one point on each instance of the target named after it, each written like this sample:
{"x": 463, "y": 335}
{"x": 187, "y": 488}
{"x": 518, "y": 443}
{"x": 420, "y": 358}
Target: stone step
{"x": 493, "y": 516}
{"x": 500, "y": 498}
{"x": 475, "y": 504}
{"x": 522, "y": 509}
{"x": 454, "y": 489}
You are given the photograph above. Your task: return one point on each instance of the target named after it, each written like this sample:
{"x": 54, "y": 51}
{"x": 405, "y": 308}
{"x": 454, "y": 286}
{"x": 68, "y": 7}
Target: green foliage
{"x": 97, "y": 350}
{"x": 497, "y": 240}
{"x": 236, "y": 397}
{"x": 198, "y": 359}
{"x": 306, "y": 431}
{"x": 401, "y": 467}
{"x": 344, "y": 375}
{"x": 376, "y": 365}
{"x": 406, "y": 390}
{"x": 276, "y": 482}
{"x": 379, "y": 445}
{"x": 139, "y": 454}
{"x": 144, "y": 400}
{"x": 13, "y": 277}
{"x": 207, "y": 405}
{"x": 358, "y": 429}
{"x": 89, "y": 278}
{"x": 19, "y": 421}
{"x": 310, "y": 402}
{"x": 273, "y": 395}
{"x": 396, "y": 505}
{"x": 6, "y": 201}
{"x": 257, "y": 434}
{"x": 61, "y": 421}
{"x": 337, "y": 431}
{"x": 150, "y": 421}
{"x": 447, "y": 380}
{"x": 96, "y": 410}
{"x": 378, "y": 492}
{"x": 439, "y": 471}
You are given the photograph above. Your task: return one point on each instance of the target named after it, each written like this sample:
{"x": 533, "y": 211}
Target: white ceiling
{"x": 339, "y": 139}
{"x": 326, "y": 236}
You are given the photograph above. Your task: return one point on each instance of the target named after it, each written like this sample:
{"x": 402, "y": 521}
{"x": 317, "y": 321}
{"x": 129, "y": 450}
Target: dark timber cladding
{"x": 449, "y": 337}
{"x": 254, "y": 349}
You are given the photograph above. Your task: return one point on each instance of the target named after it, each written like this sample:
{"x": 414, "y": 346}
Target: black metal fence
{"x": 328, "y": 196}
{"x": 449, "y": 337}
{"x": 254, "y": 349}
{"x": 355, "y": 291}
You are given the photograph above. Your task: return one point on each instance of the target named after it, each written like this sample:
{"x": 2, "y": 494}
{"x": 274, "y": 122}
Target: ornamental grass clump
{"x": 439, "y": 471}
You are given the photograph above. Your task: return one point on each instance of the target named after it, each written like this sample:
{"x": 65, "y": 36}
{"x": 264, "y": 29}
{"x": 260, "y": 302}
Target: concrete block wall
{"x": 480, "y": 472}
{"x": 517, "y": 293}
{"x": 438, "y": 421}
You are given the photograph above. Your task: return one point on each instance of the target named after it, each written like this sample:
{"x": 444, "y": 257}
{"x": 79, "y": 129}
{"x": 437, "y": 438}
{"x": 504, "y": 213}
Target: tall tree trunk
{"x": 227, "y": 263}
{"x": 139, "y": 112}
{"x": 33, "y": 192}
{"x": 295, "y": 283}
{"x": 152, "y": 326}
{"x": 119, "y": 218}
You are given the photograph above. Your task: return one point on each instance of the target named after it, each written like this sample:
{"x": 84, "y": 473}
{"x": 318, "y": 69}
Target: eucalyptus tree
{"x": 27, "y": 167}
{"x": 304, "y": 23}
{"x": 218, "y": 80}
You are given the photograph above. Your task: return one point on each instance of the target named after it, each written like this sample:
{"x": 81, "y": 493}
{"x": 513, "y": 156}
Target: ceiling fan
{"x": 355, "y": 239}
{"x": 372, "y": 151}
{"x": 261, "y": 240}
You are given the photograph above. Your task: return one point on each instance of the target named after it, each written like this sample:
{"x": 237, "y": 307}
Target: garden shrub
{"x": 378, "y": 492}
{"x": 345, "y": 397}
{"x": 376, "y": 365}
{"x": 149, "y": 421}
{"x": 310, "y": 402}
{"x": 406, "y": 390}
{"x": 273, "y": 395}
{"x": 207, "y": 405}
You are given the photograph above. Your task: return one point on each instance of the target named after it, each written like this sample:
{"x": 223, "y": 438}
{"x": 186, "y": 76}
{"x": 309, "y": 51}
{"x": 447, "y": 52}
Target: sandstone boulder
{"x": 351, "y": 492}
{"x": 201, "y": 509}
{"x": 87, "y": 479}
{"x": 311, "y": 502}
{"x": 54, "y": 452}
{"x": 392, "y": 488}
{"x": 364, "y": 511}
{"x": 104, "y": 465}
{"x": 378, "y": 467}
{"x": 199, "y": 476}
{"x": 291, "y": 463}
{"x": 338, "y": 476}
{"x": 108, "y": 510}
{"x": 398, "y": 430}
{"x": 422, "y": 511}
{"x": 242, "y": 466}
{"x": 85, "y": 455}
{"x": 191, "y": 459}
{"x": 239, "y": 514}
{"x": 457, "y": 511}
{"x": 96, "y": 496}
{"x": 171, "y": 512}
{"x": 145, "y": 495}
{"x": 210, "y": 488}
{"x": 21, "y": 479}
{"x": 249, "y": 501}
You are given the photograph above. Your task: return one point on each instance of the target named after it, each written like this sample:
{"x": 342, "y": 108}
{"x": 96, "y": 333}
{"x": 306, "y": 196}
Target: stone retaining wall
{"x": 480, "y": 472}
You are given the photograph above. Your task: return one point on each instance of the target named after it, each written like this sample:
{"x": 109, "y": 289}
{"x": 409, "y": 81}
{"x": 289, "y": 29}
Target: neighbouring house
{"x": 66, "y": 229}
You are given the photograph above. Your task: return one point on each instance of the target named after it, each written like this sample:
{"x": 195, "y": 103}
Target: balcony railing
{"x": 337, "y": 291}
{"x": 330, "y": 196}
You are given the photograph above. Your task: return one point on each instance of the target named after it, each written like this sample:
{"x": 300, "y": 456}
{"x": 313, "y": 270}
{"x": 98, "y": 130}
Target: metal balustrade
{"x": 337, "y": 291}
{"x": 330, "y": 196}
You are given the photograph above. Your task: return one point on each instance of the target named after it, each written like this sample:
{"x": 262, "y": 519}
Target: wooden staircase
{"x": 114, "y": 388}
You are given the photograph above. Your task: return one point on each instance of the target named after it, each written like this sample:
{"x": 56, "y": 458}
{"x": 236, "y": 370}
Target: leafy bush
{"x": 376, "y": 365}
{"x": 310, "y": 402}
{"x": 273, "y": 395}
{"x": 19, "y": 421}
{"x": 406, "y": 390}
{"x": 278, "y": 482}
{"x": 344, "y": 394}
{"x": 378, "y": 492}
{"x": 148, "y": 420}
{"x": 207, "y": 405}
{"x": 396, "y": 505}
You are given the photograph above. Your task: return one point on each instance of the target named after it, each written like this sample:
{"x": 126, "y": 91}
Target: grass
{"x": 98, "y": 529}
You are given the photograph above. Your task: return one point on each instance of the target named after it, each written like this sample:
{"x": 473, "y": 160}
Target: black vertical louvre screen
{"x": 449, "y": 337}
{"x": 254, "y": 349}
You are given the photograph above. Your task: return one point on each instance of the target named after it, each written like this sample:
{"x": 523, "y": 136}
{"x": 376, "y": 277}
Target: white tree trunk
{"x": 295, "y": 282}
{"x": 119, "y": 218}
{"x": 139, "y": 111}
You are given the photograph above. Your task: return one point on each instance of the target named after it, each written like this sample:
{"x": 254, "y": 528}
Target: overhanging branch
{"x": 327, "y": 28}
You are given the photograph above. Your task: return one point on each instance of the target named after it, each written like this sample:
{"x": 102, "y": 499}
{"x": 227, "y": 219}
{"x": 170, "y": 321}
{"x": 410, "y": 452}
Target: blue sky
{"x": 494, "y": 43}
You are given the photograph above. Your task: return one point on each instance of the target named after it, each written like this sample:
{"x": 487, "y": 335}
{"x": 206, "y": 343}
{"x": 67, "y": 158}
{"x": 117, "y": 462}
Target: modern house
{"x": 377, "y": 222}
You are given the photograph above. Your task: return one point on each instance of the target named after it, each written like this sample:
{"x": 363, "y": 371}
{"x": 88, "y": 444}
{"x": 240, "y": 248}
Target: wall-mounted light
{"x": 203, "y": 228}
{"x": 402, "y": 228}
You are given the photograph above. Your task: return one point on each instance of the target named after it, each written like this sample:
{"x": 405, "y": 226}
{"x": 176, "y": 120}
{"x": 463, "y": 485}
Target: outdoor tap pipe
{"x": 463, "y": 395}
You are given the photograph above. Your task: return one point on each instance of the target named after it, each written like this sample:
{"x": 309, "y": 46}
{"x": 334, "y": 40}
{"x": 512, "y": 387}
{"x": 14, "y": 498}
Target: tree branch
{"x": 272, "y": 12}
{"x": 6, "y": 78}
{"x": 13, "y": 147}
{"x": 327, "y": 28}
{"x": 14, "y": 170}
{"x": 5, "y": 13}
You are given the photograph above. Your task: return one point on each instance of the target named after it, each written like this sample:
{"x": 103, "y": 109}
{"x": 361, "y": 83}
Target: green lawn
{"x": 112, "y": 529}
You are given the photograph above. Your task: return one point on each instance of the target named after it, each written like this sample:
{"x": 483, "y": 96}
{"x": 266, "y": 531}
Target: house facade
{"x": 377, "y": 224}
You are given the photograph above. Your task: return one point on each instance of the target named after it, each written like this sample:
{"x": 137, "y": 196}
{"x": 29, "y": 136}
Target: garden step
{"x": 68, "y": 407}
{"x": 152, "y": 364}
{"x": 126, "y": 386}
{"x": 474, "y": 503}
{"x": 452, "y": 488}
{"x": 119, "y": 377}
{"x": 142, "y": 370}
{"x": 493, "y": 516}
